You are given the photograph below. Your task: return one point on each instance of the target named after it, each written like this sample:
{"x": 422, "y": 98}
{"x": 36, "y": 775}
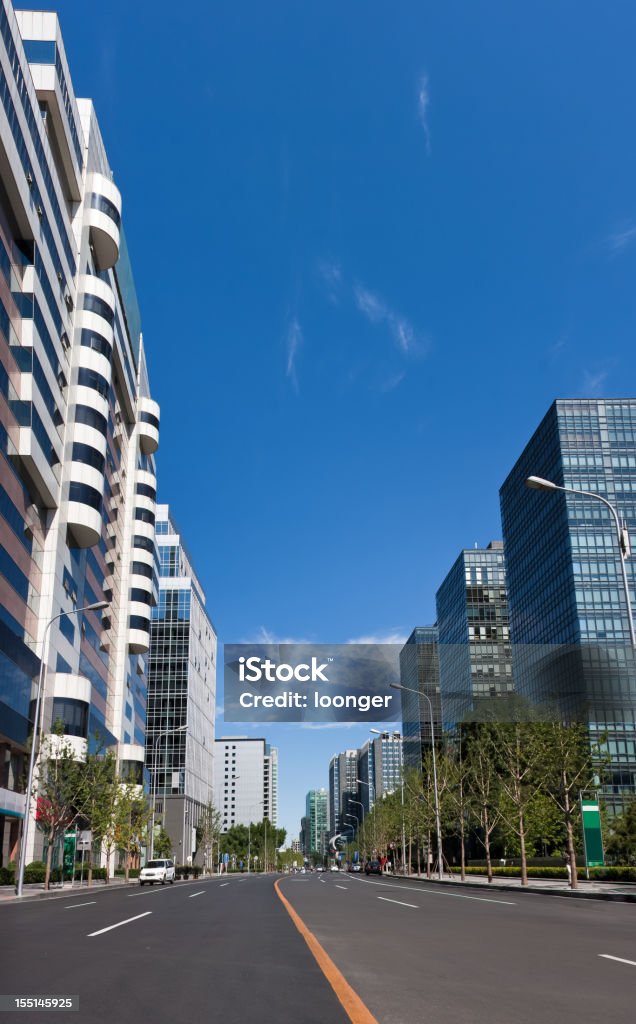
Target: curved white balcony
{"x": 138, "y": 640}
{"x": 71, "y": 686}
{"x": 149, "y": 413}
{"x": 84, "y": 522}
{"x": 103, "y": 216}
{"x": 144, "y": 477}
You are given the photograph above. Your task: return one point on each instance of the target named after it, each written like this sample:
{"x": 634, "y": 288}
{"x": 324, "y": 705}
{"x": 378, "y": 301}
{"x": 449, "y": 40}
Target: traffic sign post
{"x": 592, "y": 834}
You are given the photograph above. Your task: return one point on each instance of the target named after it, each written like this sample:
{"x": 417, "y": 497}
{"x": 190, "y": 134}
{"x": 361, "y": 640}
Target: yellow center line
{"x": 353, "y": 1006}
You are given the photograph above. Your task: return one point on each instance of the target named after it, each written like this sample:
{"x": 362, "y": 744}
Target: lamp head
{"x": 537, "y": 483}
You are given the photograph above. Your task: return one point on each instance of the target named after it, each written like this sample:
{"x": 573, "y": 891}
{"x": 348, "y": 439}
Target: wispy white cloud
{"x": 555, "y": 350}
{"x": 294, "y": 340}
{"x": 621, "y": 239}
{"x": 423, "y": 103}
{"x": 331, "y": 274}
{"x": 391, "y": 382}
{"x": 266, "y": 636}
{"x": 392, "y": 636}
{"x": 376, "y": 310}
{"x": 593, "y": 382}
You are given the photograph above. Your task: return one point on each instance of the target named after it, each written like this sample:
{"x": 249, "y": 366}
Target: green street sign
{"x": 592, "y": 836}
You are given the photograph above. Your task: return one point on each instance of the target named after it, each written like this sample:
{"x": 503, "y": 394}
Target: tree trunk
{"x": 49, "y": 861}
{"x": 522, "y": 843}
{"x": 461, "y": 846}
{"x": 569, "y": 829}
{"x": 127, "y": 864}
{"x": 486, "y": 824}
{"x": 89, "y": 876}
{"x": 428, "y": 854}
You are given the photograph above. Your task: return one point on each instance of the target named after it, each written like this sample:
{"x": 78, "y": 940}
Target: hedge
{"x": 609, "y": 874}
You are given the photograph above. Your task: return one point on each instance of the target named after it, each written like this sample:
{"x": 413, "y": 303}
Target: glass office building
{"x": 317, "y": 815}
{"x": 475, "y": 660}
{"x": 419, "y": 671}
{"x": 568, "y": 607}
{"x": 181, "y": 692}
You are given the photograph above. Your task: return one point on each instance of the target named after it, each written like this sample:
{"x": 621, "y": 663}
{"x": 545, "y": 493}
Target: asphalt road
{"x": 227, "y": 950}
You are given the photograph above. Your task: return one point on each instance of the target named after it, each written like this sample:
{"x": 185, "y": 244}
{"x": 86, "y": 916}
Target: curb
{"x": 575, "y": 894}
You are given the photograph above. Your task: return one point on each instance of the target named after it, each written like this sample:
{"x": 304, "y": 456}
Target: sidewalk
{"x": 36, "y": 890}
{"x": 622, "y": 892}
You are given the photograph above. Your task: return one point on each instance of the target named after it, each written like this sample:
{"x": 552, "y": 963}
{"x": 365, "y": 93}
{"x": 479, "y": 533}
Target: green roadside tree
{"x": 621, "y": 843}
{"x": 59, "y": 789}
{"x": 208, "y": 833}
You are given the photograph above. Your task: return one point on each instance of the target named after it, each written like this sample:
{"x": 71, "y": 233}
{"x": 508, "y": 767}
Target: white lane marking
{"x": 341, "y": 887}
{"x": 432, "y": 892}
{"x": 606, "y": 956}
{"x": 118, "y": 925}
{"x": 387, "y": 900}
{"x": 322, "y": 880}
{"x": 193, "y": 894}
{"x": 148, "y": 892}
{"x": 73, "y": 905}
{"x": 224, "y": 883}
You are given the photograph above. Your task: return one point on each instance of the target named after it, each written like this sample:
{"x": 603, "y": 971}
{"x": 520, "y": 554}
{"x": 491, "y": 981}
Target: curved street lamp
{"x": 438, "y": 825}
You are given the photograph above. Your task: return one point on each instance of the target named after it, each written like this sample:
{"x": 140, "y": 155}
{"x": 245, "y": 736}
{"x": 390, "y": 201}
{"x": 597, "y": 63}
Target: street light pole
{"x": 537, "y": 483}
{"x": 97, "y": 606}
{"x": 438, "y": 824}
{"x": 361, "y": 782}
{"x": 165, "y": 732}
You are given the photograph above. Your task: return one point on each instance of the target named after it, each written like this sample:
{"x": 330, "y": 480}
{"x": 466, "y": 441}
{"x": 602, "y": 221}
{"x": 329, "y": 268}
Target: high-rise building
{"x": 366, "y": 777}
{"x": 568, "y": 608}
{"x": 297, "y": 845}
{"x": 78, "y": 428}
{"x": 343, "y": 788}
{"x": 270, "y": 784}
{"x": 475, "y": 659}
{"x": 317, "y": 813}
{"x": 387, "y": 763}
{"x": 419, "y": 672}
{"x": 243, "y": 773}
{"x": 181, "y": 692}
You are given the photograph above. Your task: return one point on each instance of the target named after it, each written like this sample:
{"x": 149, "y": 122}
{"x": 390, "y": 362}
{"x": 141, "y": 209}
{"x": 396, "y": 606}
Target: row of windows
{"x": 147, "y": 491}
{"x": 91, "y": 379}
{"x": 90, "y": 339}
{"x": 93, "y": 304}
{"x": 147, "y": 417}
{"x": 88, "y": 455}
{"x": 35, "y": 130}
{"x": 85, "y": 495}
{"x": 91, "y": 418}
{"x": 103, "y": 204}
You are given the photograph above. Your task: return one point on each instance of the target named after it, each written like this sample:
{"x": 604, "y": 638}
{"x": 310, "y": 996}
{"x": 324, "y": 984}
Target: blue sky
{"x": 371, "y": 243}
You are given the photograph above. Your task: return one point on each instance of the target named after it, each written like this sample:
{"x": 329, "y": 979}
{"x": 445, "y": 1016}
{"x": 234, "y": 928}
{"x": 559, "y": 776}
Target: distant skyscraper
{"x": 343, "y": 788}
{"x": 245, "y": 779}
{"x": 475, "y": 660}
{"x": 317, "y": 813}
{"x": 387, "y": 763}
{"x": 379, "y": 771}
{"x": 366, "y": 776}
{"x": 568, "y": 610}
{"x": 419, "y": 670}
{"x": 181, "y": 691}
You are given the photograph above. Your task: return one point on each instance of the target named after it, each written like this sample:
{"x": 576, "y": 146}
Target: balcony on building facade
{"x": 103, "y": 216}
{"x": 149, "y": 425}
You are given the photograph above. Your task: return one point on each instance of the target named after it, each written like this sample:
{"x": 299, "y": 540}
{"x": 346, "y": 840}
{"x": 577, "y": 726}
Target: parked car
{"x": 373, "y": 867}
{"x": 334, "y": 867}
{"x": 355, "y": 867}
{"x": 157, "y": 871}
